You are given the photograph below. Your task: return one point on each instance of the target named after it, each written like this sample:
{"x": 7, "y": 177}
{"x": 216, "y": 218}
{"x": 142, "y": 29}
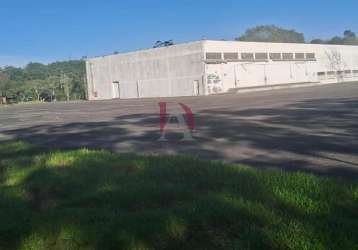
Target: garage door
{"x": 279, "y": 73}
{"x": 250, "y": 75}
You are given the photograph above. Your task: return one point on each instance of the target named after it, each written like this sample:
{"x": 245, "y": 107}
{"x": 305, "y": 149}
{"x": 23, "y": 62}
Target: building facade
{"x": 213, "y": 67}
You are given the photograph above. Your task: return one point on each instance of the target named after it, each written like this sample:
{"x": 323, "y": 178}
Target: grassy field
{"x": 84, "y": 199}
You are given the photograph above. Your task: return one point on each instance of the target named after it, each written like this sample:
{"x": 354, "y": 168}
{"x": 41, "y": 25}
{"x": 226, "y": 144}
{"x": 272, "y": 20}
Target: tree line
{"x": 57, "y": 81}
{"x": 272, "y": 33}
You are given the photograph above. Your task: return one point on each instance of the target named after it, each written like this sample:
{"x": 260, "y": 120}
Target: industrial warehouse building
{"x": 212, "y": 67}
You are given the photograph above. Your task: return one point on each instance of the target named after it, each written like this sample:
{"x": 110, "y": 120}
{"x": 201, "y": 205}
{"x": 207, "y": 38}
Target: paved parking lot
{"x": 311, "y": 129}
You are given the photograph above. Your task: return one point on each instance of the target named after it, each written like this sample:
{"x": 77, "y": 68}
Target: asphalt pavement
{"x": 312, "y": 129}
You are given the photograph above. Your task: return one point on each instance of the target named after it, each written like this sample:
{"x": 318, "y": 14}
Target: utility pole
{"x": 65, "y": 83}
{"x": 67, "y": 87}
{"x": 85, "y": 86}
{"x": 53, "y": 82}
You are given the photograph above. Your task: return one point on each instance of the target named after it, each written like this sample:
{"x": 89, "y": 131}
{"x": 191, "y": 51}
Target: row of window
{"x": 232, "y": 56}
{"x": 346, "y": 73}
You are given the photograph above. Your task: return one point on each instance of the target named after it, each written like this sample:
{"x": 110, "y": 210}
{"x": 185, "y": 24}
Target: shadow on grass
{"x": 83, "y": 199}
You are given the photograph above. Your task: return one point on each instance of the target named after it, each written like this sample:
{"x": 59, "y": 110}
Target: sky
{"x": 48, "y": 31}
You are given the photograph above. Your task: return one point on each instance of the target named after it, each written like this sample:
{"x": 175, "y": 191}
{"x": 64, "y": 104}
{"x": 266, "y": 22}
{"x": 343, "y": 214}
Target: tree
{"x": 348, "y": 34}
{"x": 38, "y": 87}
{"x": 66, "y": 85}
{"x": 24, "y": 92}
{"x": 36, "y": 71}
{"x": 13, "y": 73}
{"x": 10, "y": 80}
{"x": 43, "y": 82}
{"x": 349, "y": 38}
{"x": 336, "y": 40}
{"x": 271, "y": 33}
{"x": 53, "y": 83}
{"x": 3, "y": 78}
{"x": 318, "y": 41}
{"x": 3, "y": 86}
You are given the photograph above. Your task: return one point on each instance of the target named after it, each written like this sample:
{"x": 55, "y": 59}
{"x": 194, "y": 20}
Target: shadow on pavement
{"x": 318, "y": 136}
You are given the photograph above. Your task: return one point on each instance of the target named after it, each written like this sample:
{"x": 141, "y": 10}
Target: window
{"x": 275, "y": 56}
{"x": 213, "y": 56}
{"x": 287, "y": 56}
{"x": 231, "y": 56}
{"x": 247, "y": 56}
{"x": 348, "y": 73}
{"x": 261, "y": 56}
{"x": 331, "y": 74}
{"x": 321, "y": 75}
{"x": 300, "y": 56}
{"x": 310, "y": 56}
{"x": 340, "y": 72}
{"x": 355, "y": 72}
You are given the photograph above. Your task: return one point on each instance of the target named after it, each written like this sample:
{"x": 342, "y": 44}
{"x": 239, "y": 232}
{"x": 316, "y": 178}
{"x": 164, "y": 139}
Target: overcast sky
{"x": 46, "y": 31}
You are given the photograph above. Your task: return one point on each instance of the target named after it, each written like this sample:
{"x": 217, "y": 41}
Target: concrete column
{"x": 138, "y": 93}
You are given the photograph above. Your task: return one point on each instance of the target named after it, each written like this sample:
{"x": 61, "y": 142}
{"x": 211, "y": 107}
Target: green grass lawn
{"x": 85, "y": 199}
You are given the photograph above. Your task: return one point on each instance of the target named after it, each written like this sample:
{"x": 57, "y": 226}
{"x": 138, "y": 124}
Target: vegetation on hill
{"x": 272, "y": 33}
{"x": 87, "y": 199}
{"x": 39, "y": 82}
{"x": 349, "y": 38}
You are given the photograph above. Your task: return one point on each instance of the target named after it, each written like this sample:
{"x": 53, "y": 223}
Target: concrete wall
{"x": 184, "y": 69}
{"x": 161, "y": 72}
{"x": 222, "y": 75}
